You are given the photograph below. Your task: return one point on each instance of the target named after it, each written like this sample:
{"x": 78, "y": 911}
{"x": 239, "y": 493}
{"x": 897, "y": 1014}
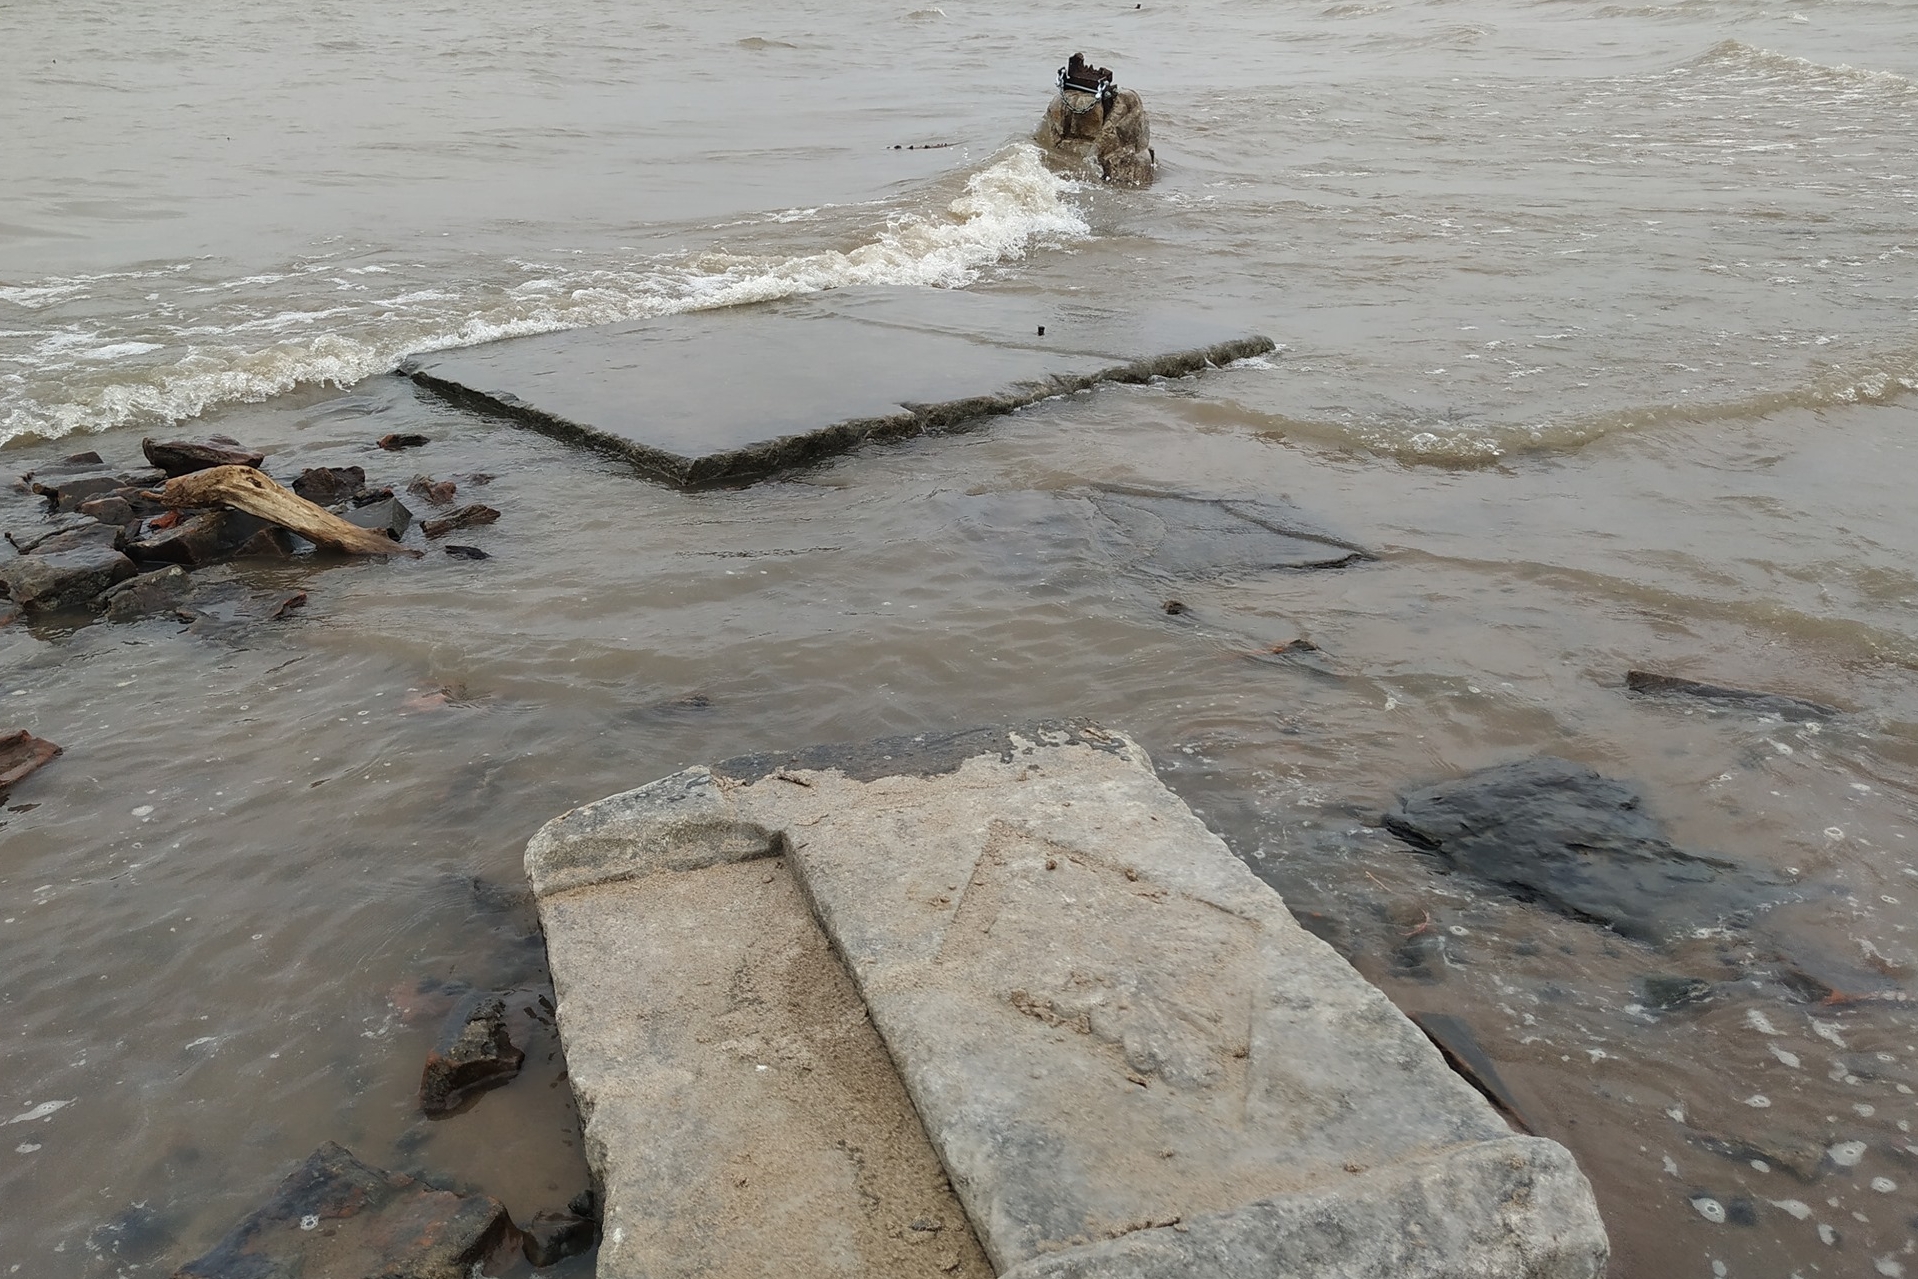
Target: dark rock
{"x": 467, "y": 553}
{"x": 183, "y": 457}
{"x": 436, "y": 492}
{"x": 21, "y": 753}
{"x": 552, "y": 1237}
{"x": 163, "y": 591}
{"x": 1647, "y": 684}
{"x": 389, "y": 515}
{"x": 67, "y": 493}
{"x": 325, "y": 485}
{"x": 30, "y": 540}
{"x": 1180, "y": 535}
{"x": 272, "y": 542}
{"x": 10, "y": 613}
{"x": 135, "y": 1234}
{"x": 1665, "y": 992}
{"x": 110, "y": 509}
{"x": 204, "y": 538}
{"x": 88, "y": 458}
{"x": 1555, "y": 832}
{"x": 464, "y": 517}
{"x": 1460, "y": 1048}
{"x": 394, "y": 443}
{"x": 63, "y": 579}
{"x": 367, "y": 494}
{"x": 336, "y": 1216}
{"x": 80, "y": 535}
{"x": 474, "y": 1053}
{"x": 1175, "y": 607}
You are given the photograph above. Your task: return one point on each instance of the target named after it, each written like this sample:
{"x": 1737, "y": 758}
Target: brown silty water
{"x": 1597, "y": 330}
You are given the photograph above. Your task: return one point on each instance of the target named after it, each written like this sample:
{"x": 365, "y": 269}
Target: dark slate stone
{"x": 1647, "y": 684}
{"x": 162, "y": 591}
{"x": 1556, "y": 832}
{"x": 389, "y": 515}
{"x": 325, "y": 485}
{"x": 336, "y": 1216}
{"x": 1665, "y": 992}
{"x": 63, "y": 579}
{"x": 28, "y": 540}
{"x": 733, "y": 394}
{"x": 465, "y": 517}
{"x": 183, "y": 457}
{"x": 474, "y": 1053}
{"x": 552, "y": 1237}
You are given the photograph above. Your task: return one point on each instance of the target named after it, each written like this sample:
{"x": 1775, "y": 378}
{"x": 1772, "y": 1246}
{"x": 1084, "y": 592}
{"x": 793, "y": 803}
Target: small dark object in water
{"x": 1665, "y": 992}
{"x": 394, "y": 443}
{"x": 464, "y": 517}
{"x": 467, "y": 553}
{"x": 1462, "y": 1053}
{"x": 20, "y": 754}
{"x": 1296, "y": 646}
{"x": 1795, "y": 708}
{"x": 1176, "y": 607}
{"x": 1080, "y": 76}
{"x": 160, "y": 591}
{"x": 474, "y": 1053}
{"x": 88, "y": 458}
{"x": 1042, "y": 330}
{"x": 551, "y": 1237}
{"x": 376, "y": 1223}
{"x": 437, "y": 492}
{"x": 1556, "y": 832}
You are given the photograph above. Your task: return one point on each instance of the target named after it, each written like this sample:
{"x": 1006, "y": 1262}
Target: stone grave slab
{"x": 1013, "y": 955}
{"x": 729, "y": 395}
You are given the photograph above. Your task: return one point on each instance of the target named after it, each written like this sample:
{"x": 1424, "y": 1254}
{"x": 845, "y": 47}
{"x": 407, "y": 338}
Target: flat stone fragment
{"x": 732, "y": 394}
{"x": 63, "y": 579}
{"x": 336, "y": 1216}
{"x": 1556, "y": 832}
{"x": 474, "y": 1053}
{"x": 1647, "y": 684}
{"x": 1127, "y": 1056}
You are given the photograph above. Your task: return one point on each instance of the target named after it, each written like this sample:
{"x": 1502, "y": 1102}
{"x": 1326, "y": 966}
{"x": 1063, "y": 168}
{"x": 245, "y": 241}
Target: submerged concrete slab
{"x": 732, "y": 394}
{"x": 1127, "y": 1057}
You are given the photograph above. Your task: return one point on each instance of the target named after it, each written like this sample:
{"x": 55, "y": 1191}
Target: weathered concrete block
{"x": 719, "y": 396}
{"x": 1128, "y": 1057}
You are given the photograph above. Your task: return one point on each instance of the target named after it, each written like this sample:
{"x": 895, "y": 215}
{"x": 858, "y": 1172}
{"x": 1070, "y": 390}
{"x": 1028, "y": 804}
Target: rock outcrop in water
{"x": 1556, "y": 832}
{"x": 1646, "y": 684}
{"x": 338, "y": 1216}
{"x": 1097, "y": 122}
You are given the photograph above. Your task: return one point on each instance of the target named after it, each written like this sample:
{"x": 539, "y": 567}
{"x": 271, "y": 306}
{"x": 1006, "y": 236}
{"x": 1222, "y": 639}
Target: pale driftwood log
{"x": 245, "y": 489}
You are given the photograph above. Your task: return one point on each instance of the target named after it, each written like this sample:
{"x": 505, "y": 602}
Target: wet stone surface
{"x": 337, "y": 1216}
{"x": 475, "y": 1052}
{"x": 1556, "y": 832}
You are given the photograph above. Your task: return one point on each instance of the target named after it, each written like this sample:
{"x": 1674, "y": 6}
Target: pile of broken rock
{"x": 125, "y": 542}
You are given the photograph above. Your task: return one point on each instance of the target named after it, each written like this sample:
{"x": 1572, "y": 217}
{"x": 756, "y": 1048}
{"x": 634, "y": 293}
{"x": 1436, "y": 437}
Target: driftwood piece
{"x": 244, "y": 489}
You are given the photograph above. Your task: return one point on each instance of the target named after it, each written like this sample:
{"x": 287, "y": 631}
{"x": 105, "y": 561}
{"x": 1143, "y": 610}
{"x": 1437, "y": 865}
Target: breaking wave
{"x": 1737, "y": 60}
{"x": 187, "y": 345}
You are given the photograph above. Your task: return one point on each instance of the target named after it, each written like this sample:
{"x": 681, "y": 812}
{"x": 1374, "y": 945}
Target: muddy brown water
{"x": 1597, "y": 328}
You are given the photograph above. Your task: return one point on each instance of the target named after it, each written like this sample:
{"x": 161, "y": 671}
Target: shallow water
{"x": 1597, "y": 325}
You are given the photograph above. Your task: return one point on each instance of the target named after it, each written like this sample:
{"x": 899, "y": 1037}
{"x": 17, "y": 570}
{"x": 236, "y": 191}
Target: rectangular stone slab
{"x": 1128, "y": 1057}
{"x": 724, "y": 395}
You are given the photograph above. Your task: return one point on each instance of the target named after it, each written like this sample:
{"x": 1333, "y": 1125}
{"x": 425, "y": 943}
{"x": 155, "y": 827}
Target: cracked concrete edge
{"x": 1513, "y": 1206}
{"x": 693, "y": 818}
{"x": 801, "y": 448}
{"x": 684, "y": 822}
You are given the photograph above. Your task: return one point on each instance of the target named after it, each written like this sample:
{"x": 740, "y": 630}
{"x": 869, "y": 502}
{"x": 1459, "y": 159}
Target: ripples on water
{"x": 1598, "y": 325}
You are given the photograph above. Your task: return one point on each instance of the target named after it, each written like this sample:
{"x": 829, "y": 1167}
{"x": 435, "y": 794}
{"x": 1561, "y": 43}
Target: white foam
{"x": 1010, "y": 206}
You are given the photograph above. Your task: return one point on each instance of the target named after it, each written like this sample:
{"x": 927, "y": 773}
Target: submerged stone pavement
{"x": 799, "y": 994}
{"x": 741, "y": 392}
